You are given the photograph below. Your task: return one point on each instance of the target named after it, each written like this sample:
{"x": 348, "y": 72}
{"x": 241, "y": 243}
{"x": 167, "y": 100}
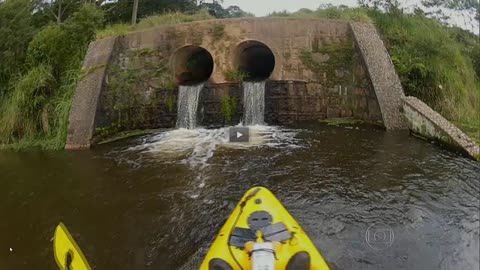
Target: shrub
{"x": 48, "y": 47}
{"x": 235, "y": 75}
{"x": 36, "y": 111}
{"x": 16, "y": 31}
{"x": 229, "y": 108}
{"x": 330, "y": 12}
{"x": 25, "y": 112}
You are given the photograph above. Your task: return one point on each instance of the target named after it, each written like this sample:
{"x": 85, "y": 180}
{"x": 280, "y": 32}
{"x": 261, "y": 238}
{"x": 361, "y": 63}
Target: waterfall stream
{"x": 254, "y": 102}
{"x": 187, "y": 104}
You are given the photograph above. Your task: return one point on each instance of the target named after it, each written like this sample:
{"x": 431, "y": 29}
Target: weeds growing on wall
{"x": 128, "y": 103}
{"x": 122, "y": 100}
{"x": 229, "y": 108}
{"x": 235, "y": 75}
{"x": 170, "y": 101}
{"x": 328, "y": 58}
{"x": 218, "y": 31}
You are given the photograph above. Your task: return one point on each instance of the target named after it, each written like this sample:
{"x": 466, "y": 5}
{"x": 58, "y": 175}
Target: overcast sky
{"x": 264, "y": 7}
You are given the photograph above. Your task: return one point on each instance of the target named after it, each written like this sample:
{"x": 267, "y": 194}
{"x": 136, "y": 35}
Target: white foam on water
{"x": 194, "y": 147}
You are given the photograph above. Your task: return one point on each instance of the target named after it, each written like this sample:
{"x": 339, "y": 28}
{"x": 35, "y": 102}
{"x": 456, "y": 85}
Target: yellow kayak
{"x": 261, "y": 234}
{"x": 66, "y": 251}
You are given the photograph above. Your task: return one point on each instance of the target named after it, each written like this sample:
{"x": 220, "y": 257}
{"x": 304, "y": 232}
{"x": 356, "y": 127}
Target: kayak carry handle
{"x": 68, "y": 260}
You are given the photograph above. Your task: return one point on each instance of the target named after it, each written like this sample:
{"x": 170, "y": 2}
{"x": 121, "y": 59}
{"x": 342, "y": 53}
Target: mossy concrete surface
{"x": 383, "y": 76}
{"x": 140, "y": 92}
{"x": 85, "y": 101}
{"x": 426, "y": 122}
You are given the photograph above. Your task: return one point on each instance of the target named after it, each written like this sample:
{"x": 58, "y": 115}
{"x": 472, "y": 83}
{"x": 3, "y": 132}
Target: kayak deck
{"x": 259, "y": 216}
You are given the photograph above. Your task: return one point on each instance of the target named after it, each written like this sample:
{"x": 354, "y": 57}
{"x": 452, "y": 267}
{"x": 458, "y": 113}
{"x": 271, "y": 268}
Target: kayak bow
{"x": 66, "y": 251}
{"x": 261, "y": 234}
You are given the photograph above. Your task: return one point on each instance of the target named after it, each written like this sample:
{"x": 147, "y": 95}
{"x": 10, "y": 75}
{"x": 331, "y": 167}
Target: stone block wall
{"x": 139, "y": 93}
{"x": 318, "y": 74}
{"x": 288, "y": 102}
{"x": 213, "y": 103}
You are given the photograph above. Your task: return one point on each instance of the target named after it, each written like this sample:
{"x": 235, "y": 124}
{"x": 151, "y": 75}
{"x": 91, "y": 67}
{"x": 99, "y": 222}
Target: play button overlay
{"x": 238, "y": 134}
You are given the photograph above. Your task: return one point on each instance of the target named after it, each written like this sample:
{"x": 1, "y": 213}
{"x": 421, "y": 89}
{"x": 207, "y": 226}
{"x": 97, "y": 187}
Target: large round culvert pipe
{"x": 255, "y": 60}
{"x": 192, "y": 65}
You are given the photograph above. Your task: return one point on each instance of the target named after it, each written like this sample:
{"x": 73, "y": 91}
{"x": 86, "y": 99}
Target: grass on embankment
{"x": 435, "y": 63}
{"x": 153, "y": 21}
{"x": 20, "y": 113}
{"x": 348, "y": 14}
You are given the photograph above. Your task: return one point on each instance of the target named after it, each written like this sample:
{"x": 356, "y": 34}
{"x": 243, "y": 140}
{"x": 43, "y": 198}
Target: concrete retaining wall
{"x": 382, "y": 73}
{"x": 288, "y": 39}
{"x": 324, "y": 69}
{"x": 430, "y": 124}
{"x": 85, "y": 101}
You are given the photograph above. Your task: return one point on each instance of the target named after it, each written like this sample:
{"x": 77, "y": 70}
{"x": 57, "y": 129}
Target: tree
{"x": 237, "y": 12}
{"x": 391, "y": 6}
{"x": 16, "y": 31}
{"x": 216, "y": 9}
{"x": 59, "y": 46}
{"x": 54, "y": 54}
{"x": 121, "y": 10}
{"x": 57, "y": 10}
{"x": 470, "y": 8}
{"x": 134, "y": 12}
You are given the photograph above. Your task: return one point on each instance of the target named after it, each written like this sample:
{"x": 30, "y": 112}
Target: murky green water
{"x": 152, "y": 202}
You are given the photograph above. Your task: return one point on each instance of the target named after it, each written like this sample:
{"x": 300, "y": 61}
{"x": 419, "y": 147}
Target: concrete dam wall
{"x": 314, "y": 69}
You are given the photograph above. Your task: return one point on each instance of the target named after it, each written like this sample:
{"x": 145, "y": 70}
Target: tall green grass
{"x": 30, "y": 119}
{"x": 433, "y": 66}
{"x": 339, "y": 13}
{"x": 435, "y": 63}
{"x": 153, "y": 21}
{"x": 23, "y": 112}
{"x": 36, "y": 109}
